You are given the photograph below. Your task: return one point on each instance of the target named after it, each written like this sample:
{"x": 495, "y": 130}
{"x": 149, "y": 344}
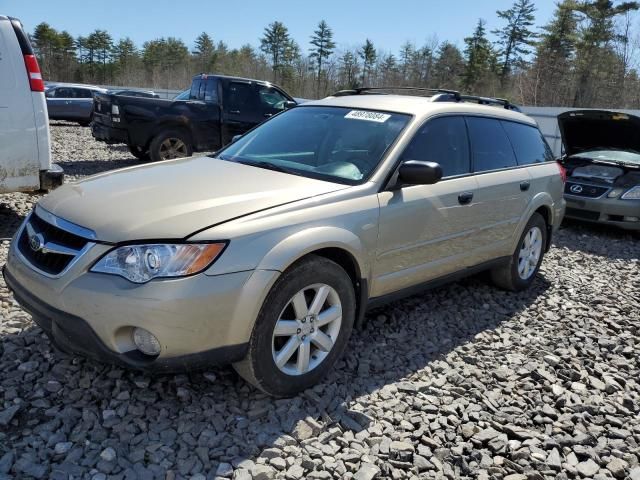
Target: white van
{"x": 25, "y": 141}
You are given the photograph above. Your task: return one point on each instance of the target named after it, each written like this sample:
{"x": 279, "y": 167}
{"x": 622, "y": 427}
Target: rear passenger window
{"x": 83, "y": 93}
{"x": 490, "y": 146}
{"x": 442, "y": 140}
{"x": 528, "y": 143}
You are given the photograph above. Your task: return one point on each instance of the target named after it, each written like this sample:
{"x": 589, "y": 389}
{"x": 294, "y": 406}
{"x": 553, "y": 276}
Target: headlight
{"x": 615, "y": 192}
{"x": 141, "y": 263}
{"x": 633, "y": 194}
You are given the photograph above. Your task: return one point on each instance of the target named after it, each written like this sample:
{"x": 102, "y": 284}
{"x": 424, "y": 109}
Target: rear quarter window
{"x": 528, "y": 143}
{"x": 490, "y": 146}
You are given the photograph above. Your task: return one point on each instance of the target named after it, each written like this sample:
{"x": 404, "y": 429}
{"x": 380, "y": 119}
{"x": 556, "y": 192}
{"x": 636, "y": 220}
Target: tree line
{"x": 585, "y": 56}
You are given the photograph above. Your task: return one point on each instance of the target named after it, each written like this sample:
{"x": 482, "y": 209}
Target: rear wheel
{"x": 525, "y": 262}
{"x": 302, "y": 329}
{"x": 139, "y": 152}
{"x": 170, "y": 144}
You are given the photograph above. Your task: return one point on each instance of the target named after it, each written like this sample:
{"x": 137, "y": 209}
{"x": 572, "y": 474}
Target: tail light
{"x": 33, "y": 70}
{"x": 563, "y": 172}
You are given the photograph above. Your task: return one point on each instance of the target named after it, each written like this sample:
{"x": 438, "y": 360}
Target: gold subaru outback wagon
{"x": 266, "y": 254}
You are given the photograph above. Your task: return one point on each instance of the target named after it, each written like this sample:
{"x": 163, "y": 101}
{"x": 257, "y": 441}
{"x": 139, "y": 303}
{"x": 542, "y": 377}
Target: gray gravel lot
{"x": 465, "y": 381}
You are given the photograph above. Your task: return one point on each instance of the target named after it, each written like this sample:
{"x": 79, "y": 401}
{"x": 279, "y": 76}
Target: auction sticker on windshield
{"x": 368, "y": 116}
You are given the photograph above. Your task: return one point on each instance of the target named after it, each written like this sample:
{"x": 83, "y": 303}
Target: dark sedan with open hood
{"x": 602, "y": 158}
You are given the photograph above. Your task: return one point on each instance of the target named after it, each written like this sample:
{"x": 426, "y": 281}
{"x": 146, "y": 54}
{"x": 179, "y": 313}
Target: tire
{"x": 519, "y": 273}
{"x": 304, "y": 280}
{"x": 84, "y": 123}
{"x": 170, "y": 144}
{"x": 139, "y": 152}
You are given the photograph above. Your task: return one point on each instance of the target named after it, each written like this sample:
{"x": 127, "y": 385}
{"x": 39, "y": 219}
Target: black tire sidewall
{"x": 154, "y": 146}
{"x": 536, "y": 220}
{"x": 318, "y": 270}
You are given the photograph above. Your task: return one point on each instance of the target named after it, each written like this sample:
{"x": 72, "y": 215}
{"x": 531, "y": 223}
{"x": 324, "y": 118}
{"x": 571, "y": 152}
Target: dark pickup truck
{"x": 218, "y": 108}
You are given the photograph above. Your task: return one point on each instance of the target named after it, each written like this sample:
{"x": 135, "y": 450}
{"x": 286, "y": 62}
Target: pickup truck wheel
{"x": 302, "y": 329}
{"x": 170, "y": 144}
{"x": 525, "y": 262}
{"x": 139, "y": 152}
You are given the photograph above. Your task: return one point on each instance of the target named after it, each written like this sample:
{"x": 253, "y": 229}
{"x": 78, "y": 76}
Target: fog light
{"x": 631, "y": 219}
{"x": 146, "y": 342}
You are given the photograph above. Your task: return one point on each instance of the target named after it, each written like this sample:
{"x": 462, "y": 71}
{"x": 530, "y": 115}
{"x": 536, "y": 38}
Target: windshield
{"x": 610, "y": 156}
{"x": 330, "y": 143}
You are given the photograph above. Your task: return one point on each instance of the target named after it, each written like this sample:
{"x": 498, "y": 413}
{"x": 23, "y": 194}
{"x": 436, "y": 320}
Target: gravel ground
{"x": 465, "y": 381}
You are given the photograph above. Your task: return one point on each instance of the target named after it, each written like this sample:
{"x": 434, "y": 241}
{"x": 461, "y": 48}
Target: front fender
{"x": 306, "y": 241}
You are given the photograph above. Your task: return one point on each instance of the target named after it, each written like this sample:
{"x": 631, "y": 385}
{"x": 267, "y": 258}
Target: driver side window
{"x": 271, "y": 100}
{"x": 442, "y": 140}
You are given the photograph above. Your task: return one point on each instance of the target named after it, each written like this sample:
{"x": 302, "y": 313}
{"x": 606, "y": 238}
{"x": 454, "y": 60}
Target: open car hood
{"x": 584, "y": 130}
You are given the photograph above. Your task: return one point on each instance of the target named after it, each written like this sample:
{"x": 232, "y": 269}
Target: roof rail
{"x": 381, "y": 91}
{"x": 438, "y": 95}
{"x": 490, "y": 101}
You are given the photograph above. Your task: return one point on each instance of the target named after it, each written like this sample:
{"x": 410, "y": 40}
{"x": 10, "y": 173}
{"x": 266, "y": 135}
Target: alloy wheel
{"x": 530, "y": 252}
{"x": 307, "y": 329}
{"x": 173, "y": 148}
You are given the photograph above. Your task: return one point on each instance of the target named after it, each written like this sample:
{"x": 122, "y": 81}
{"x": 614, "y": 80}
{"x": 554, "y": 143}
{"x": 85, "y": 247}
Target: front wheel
{"x": 525, "y": 262}
{"x": 170, "y": 144}
{"x": 302, "y": 329}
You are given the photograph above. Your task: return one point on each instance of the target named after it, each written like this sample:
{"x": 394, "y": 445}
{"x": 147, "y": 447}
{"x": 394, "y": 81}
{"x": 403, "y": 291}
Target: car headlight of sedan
{"x": 141, "y": 263}
{"x": 633, "y": 194}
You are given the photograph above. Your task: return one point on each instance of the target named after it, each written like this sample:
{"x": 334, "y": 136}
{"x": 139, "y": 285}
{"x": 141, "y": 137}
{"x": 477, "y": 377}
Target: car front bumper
{"x": 199, "y": 321}
{"x": 607, "y": 211}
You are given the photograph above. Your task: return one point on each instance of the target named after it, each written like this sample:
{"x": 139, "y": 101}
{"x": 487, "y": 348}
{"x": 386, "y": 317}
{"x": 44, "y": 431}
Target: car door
{"x": 56, "y": 102}
{"x": 503, "y": 187}
{"x": 81, "y": 105}
{"x": 241, "y": 111}
{"x": 204, "y": 109}
{"x": 426, "y": 231}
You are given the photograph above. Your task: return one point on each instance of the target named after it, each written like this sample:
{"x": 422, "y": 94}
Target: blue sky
{"x": 238, "y": 22}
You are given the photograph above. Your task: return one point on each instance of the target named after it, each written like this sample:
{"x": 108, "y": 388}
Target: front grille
{"x": 52, "y": 242}
{"x": 584, "y": 214}
{"x": 583, "y": 190}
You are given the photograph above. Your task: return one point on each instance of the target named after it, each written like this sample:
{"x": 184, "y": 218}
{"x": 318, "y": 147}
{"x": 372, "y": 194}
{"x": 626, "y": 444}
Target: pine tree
{"x": 323, "y": 46}
{"x": 479, "y": 56}
{"x": 368, "y": 55}
{"x": 275, "y": 42}
{"x": 448, "y": 67}
{"x": 45, "y": 42}
{"x": 204, "y": 52}
{"x": 594, "y": 48}
{"x": 349, "y": 70}
{"x": 555, "y": 53}
{"x": 516, "y": 36}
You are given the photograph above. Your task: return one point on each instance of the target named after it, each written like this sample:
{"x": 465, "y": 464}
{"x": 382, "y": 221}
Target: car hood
{"x": 173, "y": 199}
{"x": 584, "y": 130}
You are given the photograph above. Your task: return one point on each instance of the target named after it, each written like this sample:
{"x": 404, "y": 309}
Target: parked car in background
{"x": 217, "y": 109}
{"x": 135, "y": 93}
{"x": 267, "y": 253}
{"x": 25, "y": 141}
{"x": 602, "y": 158}
{"x": 71, "y": 102}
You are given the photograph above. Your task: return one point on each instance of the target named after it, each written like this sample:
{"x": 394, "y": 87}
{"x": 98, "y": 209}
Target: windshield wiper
{"x": 268, "y": 166}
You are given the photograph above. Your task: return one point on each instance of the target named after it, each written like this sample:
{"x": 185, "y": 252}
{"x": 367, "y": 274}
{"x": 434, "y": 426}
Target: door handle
{"x": 234, "y": 111}
{"x": 465, "y": 198}
{"x": 267, "y": 115}
{"x": 524, "y": 186}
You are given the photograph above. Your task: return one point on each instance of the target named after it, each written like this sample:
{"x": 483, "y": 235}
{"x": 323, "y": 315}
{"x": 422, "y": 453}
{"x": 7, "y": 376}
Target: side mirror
{"x": 235, "y": 138}
{"x": 415, "y": 172}
{"x": 289, "y": 104}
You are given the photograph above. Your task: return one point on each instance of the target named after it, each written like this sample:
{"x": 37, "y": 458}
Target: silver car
{"x": 71, "y": 102}
{"x": 268, "y": 253}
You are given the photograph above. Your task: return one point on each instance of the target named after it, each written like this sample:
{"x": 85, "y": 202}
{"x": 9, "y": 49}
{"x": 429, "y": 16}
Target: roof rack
{"x": 381, "y": 91}
{"x": 437, "y": 94}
